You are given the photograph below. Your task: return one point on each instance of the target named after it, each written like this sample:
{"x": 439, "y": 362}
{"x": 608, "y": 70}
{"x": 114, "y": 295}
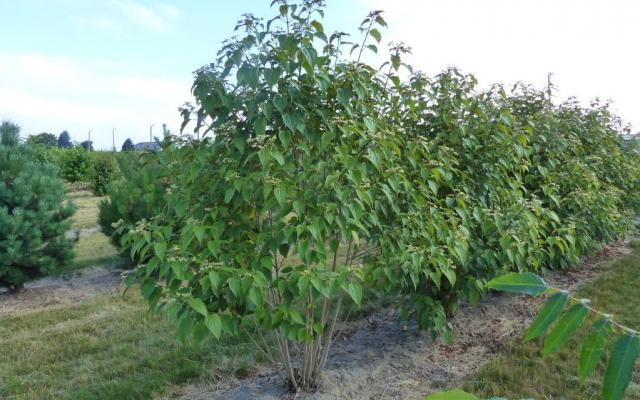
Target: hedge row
{"x": 324, "y": 175}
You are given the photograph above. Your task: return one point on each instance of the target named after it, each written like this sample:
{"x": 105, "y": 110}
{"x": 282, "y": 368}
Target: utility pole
{"x": 89, "y": 144}
{"x": 549, "y": 86}
{"x": 113, "y": 138}
{"x": 151, "y": 133}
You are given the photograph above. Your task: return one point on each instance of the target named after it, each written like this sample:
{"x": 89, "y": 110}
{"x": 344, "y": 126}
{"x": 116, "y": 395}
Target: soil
{"x": 377, "y": 358}
{"x": 59, "y": 291}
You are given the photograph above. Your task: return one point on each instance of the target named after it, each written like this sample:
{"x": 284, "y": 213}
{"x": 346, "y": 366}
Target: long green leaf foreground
{"x": 622, "y": 356}
{"x": 313, "y": 175}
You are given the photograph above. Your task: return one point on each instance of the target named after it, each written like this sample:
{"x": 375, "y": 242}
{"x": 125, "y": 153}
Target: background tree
{"x": 45, "y": 139}
{"x": 34, "y": 216}
{"x": 128, "y": 145}
{"x": 9, "y": 133}
{"x": 64, "y": 140}
{"x": 87, "y": 145}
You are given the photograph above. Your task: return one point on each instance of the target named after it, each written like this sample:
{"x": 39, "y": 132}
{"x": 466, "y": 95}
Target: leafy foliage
{"x": 625, "y": 350}
{"x": 138, "y": 193}
{"x": 33, "y": 217}
{"x": 104, "y": 169}
{"x": 74, "y": 164}
{"x": 318, "y": 174}
{"x": 44, "y": 139}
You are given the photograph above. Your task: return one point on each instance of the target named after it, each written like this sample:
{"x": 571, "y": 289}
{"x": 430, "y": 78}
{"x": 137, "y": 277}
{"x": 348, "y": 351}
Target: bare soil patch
{"x": 377, "y": 358}
{"x": 59, "y": 291}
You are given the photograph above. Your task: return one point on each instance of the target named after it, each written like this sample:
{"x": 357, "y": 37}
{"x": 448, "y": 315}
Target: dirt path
{"x": 57, "y": 291}
{"x": 376, "y": 359}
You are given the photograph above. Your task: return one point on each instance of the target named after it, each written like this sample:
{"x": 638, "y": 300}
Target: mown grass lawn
{"x": 109, "y": 347}
{"x": 522, "y": 372}
{"x": 93, "y": 247}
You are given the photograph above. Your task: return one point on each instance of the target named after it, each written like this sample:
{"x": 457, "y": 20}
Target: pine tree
{"x": 128, "y": 145}
{"x": 64, "y": 140}
{"x": 9, "y": 133}
{"x": 34, "y": 217}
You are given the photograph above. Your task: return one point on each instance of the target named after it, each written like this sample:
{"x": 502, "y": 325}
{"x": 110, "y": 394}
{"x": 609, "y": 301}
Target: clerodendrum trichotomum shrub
{"x": 34, "y": 217}
{"x": 318, "y": 174}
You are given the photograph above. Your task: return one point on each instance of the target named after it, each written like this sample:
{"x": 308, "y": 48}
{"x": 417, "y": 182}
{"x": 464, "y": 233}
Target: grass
{"x": 93, "y": 247}
{"x": 96, "y": 249}
{"x": 522, "y": 372}
{"x": 86, "y": 216}
{"x": 107, "y": 348}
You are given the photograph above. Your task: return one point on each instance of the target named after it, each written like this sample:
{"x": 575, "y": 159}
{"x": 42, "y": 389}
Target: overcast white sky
{"x": 592, "y": 47}
{"x": 125, "y": 64}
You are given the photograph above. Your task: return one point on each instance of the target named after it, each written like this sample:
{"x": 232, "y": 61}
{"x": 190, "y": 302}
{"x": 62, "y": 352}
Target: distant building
{"x": 147, "y": 146}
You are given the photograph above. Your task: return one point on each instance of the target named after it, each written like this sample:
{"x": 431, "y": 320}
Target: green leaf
{"x": 280, "y": 195}
{"x": 247, "y": 74}
{"x": 355, "y": 291}
{"x": 271, "y": 75}
{"x": 199, "y": 231}
{"x": 291, "y": 121}
{"x": 279, "y": 157}
{"x": 371, "y": 125}
{"x": 525, "y": 283}
{"x": 376, "y": 34}
{"x": 280, "y": 102}
{"x": 261, "y": 126}
{"x": 160, "y": 249}
{"x": 451, "y": 395}
{"x": 217, "y": 229}
{"x": 395, "y": 61}
{"x": 593, "y": 348}
{"x": 564, "y": 328}
{"x": 285, "y": 137}
{"x": 620, "y": 367}
{"x": 198, "y": 305}
{"x": 549, "y": 313}
{"x": 255, "y": 296}
{"x": 433, "y": 186}
{"x": 228, "y": 195}
{"x": 214, "y": 278}
{"x": 235, "y": 286}
{"x": 213, "y": 322}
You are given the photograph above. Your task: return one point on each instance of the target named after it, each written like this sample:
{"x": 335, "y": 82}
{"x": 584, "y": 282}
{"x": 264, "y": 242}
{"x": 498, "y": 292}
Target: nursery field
{"x": 79, "y": 337}
{"x": 322, "y": 228}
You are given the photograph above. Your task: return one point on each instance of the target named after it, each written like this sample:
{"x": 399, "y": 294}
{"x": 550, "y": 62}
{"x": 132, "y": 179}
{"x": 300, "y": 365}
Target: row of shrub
{"x": 325, "y": 176}
{"x": 78, "y": 166}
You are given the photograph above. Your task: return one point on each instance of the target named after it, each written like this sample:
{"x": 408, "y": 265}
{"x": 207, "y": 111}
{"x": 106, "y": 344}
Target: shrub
{"x": 75, "y": 165}
{"x": 324, "y": 175}
{"x": 138, "y": 193}
{"x": 33, "y": 217}
{"x": 103, "y": 170}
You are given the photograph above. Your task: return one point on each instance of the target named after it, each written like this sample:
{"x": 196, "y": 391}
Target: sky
{"x": 100, "y": 65}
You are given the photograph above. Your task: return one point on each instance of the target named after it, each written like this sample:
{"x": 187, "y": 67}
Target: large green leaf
{"x": 160, "y": 248}
{"x": 620, "y": 367}
{"x": 214, "y": 323}
{"x": 198, "y": 305}
{"x": 564, "y": 328}
{"x": 593, "y": 348}
{"x": 526, "y": 283}
{"x": 549, "y": 313}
